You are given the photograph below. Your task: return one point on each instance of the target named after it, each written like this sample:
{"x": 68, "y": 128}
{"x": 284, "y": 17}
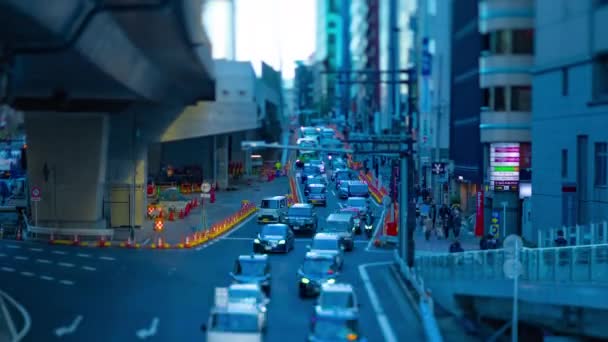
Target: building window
{"x": 485, "y": 97}
{"x": 242, "y": 92}
{"x": 565, "y": 84}
{"x": 523, "y": 42}
{"x": 331, "y": 25}
{"x": 564, "y": 163}
{"x": 601, "y": 164}
{"x": 600, "y": 76}
{"x": 600, "y": 3}
{"x": 331, "y": 39}
{"x": 501, "y": 42}
{"x": 225, "y": 92}
{"x": 486, "y": 42}
{"x": 521, "y": 99}
{"x": 499, "y": 99}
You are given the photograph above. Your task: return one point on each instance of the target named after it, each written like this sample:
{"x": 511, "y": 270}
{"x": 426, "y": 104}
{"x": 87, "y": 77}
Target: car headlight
{"x": 282, "y": 242}
{"x": 256, "y": 240}
{"x": 370, "y": 227}
{"x": 331, "y": 281}
{"x": 305, "y": 281}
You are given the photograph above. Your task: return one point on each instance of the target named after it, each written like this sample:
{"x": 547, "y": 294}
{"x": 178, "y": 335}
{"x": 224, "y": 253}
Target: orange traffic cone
{"x": 129, "y": 242}
{"x": 187, "y": 244}
{"x": 171, "y": 216}
{"x": 160, "y": 213}
{"x": 160, "y": 243}
{"x": 76, "y": 240}
{"x": 102, "y": 241}
{"x": 181, "y": 214}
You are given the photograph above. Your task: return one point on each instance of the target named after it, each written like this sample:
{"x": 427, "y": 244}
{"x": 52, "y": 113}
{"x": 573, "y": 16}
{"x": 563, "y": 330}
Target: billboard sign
{"x": 504, "y": 166}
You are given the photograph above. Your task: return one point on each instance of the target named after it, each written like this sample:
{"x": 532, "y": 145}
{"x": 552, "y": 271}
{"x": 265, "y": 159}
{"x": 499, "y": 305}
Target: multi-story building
{"x": 303, "y": 88}
{"x": 505, "y": 79}
{"x": 328, "y": 52}
{"x": 433, "y": 42}
{"x": 570, "y": 114}
{"x": 465, "y": 101}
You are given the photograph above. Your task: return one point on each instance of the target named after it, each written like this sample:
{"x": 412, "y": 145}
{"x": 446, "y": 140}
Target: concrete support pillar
{"x": 221, "y": 160}
{"x": 154, "y": 158}
{"x": 67, "y": 161}
{"x": 127, "y": 172}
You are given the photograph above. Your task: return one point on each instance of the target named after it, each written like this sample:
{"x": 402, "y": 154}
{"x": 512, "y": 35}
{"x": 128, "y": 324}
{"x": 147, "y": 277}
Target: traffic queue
{"x": 240, "y": 311}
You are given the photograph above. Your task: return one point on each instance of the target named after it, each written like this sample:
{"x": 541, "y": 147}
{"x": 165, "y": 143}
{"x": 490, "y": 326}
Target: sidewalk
{"x": 226, "y": 203}
{"x": 468, "y": 242}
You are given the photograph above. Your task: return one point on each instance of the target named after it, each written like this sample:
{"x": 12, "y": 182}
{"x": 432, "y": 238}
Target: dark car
{"x": 309, "y": 171}
{"x": 317, "y": 194}
{"x": 252, "y": 269}
{"x": 275, "y": 237}
{"x": 302, "y": 218}
{"x": 326, "y": 328}
{"x": 316, "y": 270}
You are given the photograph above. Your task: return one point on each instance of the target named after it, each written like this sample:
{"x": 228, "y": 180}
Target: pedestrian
{"x": 428, "y": 228}
{"x": 560, "y": 241}
{"x": 444, "y": 213}
{"x": 456, "y": 221}
{"x": 278, "y": 167}
{"x": 433, "y": 213}
{"x": 455, "y": 247}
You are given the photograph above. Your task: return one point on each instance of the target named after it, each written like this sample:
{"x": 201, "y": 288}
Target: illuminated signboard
{"x": 504, "y": 166}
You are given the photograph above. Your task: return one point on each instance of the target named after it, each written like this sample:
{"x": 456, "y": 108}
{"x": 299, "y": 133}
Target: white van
{"x": 272, "y": 209}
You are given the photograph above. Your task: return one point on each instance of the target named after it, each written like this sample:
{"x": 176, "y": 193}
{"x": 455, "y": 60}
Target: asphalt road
{"x": 87, "y": 294}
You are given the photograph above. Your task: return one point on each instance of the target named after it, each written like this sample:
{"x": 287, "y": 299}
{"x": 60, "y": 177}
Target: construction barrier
{"x": 293, "y": 188}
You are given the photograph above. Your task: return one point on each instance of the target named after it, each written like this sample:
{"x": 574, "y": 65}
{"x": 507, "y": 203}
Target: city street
{"x": 120, "y": 294}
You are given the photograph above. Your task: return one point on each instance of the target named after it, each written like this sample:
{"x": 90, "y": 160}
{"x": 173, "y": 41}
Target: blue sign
{"x": 427, "y": 58}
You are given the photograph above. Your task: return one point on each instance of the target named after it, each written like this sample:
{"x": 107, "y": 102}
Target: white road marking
{"x": 82, "y": 255}
{"x": 44, "y": 261}
{"x": 7, "y": 269}
{"x": 239, "y": 226}
{"x": 334, "y": 193}
{"x": 27, "y": 274}
{"x": 21, "y": 257}
{"x": 59, "y": 252}
{"x": 36, "y": 249}
{"x": 89, "y": 268}
{"x": 66, "y": 282}
{"x": 107, "y": 258}
{"x": 65, "y": 264}
{"x": 13, "y": 246}
{"x": 145, "y": 333}
{"x": 27, "y": 322}
{"x": 47, "y": 278}
{"x": 70, "y": 329}
{"x": 2, "y": 255}
{"x": 387, "y": 330}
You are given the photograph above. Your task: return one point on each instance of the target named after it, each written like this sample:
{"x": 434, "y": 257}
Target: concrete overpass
{"x": 99, "y": 81}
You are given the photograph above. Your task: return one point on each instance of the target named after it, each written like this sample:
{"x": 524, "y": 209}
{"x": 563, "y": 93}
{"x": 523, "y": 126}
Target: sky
{"x": 278, "y": 32}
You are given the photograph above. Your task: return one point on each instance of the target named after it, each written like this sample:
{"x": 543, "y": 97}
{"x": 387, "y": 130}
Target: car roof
{"x": 320, "y": 256}
{"x": 302, "y": 205}
{"x": 281, "y": 225}
{"x": 249, "y": 287}
{"x": 357, "y": 182}
{"x": 255, "y": 257}
{"x": 339, "y": 216}
{"x": 241, "y": 308}
{"x": 338, "y": 287}
{"x": 326, "y": 236}
{"x": 273, "y": 198}
{"x": 357, "y": 198}
{"x": 316, "y": 185}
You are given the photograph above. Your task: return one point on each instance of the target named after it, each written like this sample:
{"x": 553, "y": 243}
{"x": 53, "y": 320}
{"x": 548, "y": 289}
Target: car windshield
{"x": 315, "y": 180}
{"x": 359, "y": 188}
{"x": 269, "y": 204}
{"x": 335, "y": 226}
{"x": 312, "y": 170}
{"x": 316, "y": 162}
{"x": 356, "y": 202}
{"x": 335, "y": 300}
{"x": 253, "y": 268}
{"x": 306, "y": 212}
{"x": 317, "y": 189}
{"x": 342, "y": 176}
{"x": 316, "y": 266}
{"x": 244, "y": 296}
{"x": 234, "y": 322}
{"x": 324, "y": 244}
{"x": 273, "y": 230}
{"x": 334, "y": 329}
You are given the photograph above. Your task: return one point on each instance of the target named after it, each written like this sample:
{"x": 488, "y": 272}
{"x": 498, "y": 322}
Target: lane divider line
{"x": 45, "y": 277}
{"x": 59, "y": 252}
{"x": 21, "y": 257}
{"x": 7, "y": 269}
{"x": 385, "y": 326}
{"x": 36, "y": 249}
{"x": 27, "y": 274}
{"x": 70, "y": 329}
{"x": 65, "y": 264}
{"x": 66, "y": 282}
{"x": 89, "y": 268}
{"x": 44, "y": 261}
{"x": 13, "y": 246}
{"x": 107, "y": 258}
{"x": 2, "y": 255}
{"x": 82, "y": 255}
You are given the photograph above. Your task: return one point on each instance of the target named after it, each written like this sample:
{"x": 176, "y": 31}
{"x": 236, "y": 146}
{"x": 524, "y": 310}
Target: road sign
{"x": 512, "y": 245}
{"x": 205, "y": 195}
{"x": 206, "y": 187}
{"x": 512, "y": 268}
{"x": 159, "y": 225}
{"x": 36, "y": 194}
{"x": 438, "y": 168}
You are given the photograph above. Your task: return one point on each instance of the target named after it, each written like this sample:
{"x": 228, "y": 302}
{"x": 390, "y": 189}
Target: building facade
{"x": 505, "y": 79}
{"x": 570, "y": 114}
{"x": 328, "y": 53}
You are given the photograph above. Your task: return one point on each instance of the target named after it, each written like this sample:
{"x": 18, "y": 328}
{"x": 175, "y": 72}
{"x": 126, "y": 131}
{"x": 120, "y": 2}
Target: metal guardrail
{"x": 554, "y": 264}
{"x": 427, "y": 315}
{"x": 32, "y": 230}
{"x": 589, "y": 234}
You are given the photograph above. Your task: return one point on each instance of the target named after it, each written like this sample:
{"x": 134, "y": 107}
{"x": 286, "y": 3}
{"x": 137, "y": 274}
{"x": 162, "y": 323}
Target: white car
{"x": 248, "y": 294}
{"x": 337, "y": 300}
{"x": 235, "y": 323}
